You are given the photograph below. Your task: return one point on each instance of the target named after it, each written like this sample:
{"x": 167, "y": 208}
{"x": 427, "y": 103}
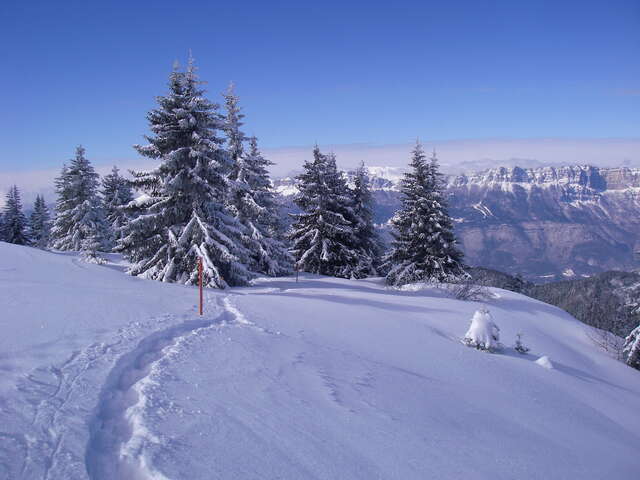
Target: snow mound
{"x": 544, "y": 362}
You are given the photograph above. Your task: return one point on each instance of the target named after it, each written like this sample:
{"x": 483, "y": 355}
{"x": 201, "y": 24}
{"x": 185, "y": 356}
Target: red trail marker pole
{"x": 200, "y": 281}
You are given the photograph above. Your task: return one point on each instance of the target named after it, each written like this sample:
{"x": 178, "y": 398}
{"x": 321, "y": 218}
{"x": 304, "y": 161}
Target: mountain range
{"x": 544, "y": 223}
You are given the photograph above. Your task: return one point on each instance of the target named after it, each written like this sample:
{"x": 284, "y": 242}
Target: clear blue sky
{"x": 333, "y": 72}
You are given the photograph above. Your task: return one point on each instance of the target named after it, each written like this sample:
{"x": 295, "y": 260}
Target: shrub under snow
{"x": 483, "y": 333}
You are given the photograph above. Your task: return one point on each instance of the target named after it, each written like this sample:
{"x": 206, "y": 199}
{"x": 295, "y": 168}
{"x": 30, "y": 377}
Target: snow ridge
{"x": 119, "y": 437}
{"x": 233, "y": 310}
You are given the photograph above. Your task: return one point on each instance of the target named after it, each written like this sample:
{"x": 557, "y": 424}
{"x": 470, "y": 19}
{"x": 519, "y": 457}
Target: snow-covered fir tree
{"x": 424, "y": 246}
{"x": 251, "y": 198}
{"x": 116, "y": 194}
{"x": 368, "y": 241}
{"x": 183, "y": 212}
{"x": 40, "y": 223}
{"x": 232, "y": 123}
{"x": 323, "y": 237}
{"x": 631, "y": 348}
{"x": 259, "y": 211}
{"x": 14, "y": 223}
{"x": 79, "y": 223}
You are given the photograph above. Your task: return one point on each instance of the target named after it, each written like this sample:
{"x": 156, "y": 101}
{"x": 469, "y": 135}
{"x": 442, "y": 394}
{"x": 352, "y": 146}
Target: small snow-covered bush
{"x": 483, "y": 333}
{"x": 519, "y": 346}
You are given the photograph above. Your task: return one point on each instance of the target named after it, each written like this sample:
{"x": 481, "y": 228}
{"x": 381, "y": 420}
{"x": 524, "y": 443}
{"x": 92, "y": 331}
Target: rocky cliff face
{"x": 545, "y": 223}
{"x": 549, "y": 222}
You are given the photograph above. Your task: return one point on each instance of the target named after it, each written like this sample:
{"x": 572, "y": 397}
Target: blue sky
{"x": 332, "y": 72}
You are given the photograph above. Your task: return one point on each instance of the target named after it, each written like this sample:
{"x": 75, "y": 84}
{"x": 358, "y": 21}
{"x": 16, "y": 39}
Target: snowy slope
{"x": 106, "y": 376}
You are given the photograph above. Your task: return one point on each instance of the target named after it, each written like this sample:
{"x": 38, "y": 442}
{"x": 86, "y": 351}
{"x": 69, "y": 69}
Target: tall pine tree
{"x": 260, "y": 212}
{"x": 424, "y": 246}
{"x": 79, "y": 223}
{"x": 116, "y": 194}
{"x": 184, "y": 215}
{"x": 368, "y": 241}
{"x": 14, "y": 222}
{"x": 251, "y": 198}
{"x": 40, "y": 223}
{"x": 323, "y": 235}
{"x": 232, "y": 124}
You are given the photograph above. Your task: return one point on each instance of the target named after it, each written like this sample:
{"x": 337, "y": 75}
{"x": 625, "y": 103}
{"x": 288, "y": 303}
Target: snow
{"x": 483, "y": 332}
{"x": 286, "y": 190}
{"x": 486, "y": 212}
{"x": 544, "y": 362}
{"x": 393, "y": 174}
{"x": 109, "y": 376}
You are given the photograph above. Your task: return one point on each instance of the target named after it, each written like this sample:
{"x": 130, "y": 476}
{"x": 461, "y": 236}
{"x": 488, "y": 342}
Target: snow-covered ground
{"x": 105, "y": 376}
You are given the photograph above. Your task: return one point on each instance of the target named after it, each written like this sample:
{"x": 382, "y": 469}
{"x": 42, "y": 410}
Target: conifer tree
{"x": 183, "y": 214}
{"x": 79, "y": 223}
{"x": 424, "y": 246}
{"x": 232, "y": 124}
{"x": 251, "y": 198}
{"x": 367, "y": 240}
{"x": 322, "y": 236}
{"x": 116, "y": 194}
{"x": 40, "y": 223}
{"x": 14, "y": 222}
{"x": 260, "y": 212}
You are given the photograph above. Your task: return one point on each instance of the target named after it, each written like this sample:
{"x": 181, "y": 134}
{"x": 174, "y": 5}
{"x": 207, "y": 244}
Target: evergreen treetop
{"x": 14, "y": 222}
{"x": 323, "y": 235}
{"x": 79, "y": 223}
{"x": 184, "y": 214}
{"x": 40, "y": 223}
{"x": 116, "y": 194}
{"x": 424, "y": 246}
{"x": 368, "y": 241}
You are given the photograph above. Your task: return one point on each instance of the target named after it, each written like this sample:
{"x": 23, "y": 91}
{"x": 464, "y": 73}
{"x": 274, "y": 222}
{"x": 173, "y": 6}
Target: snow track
{"x": 120, "y": 442}
{"x": 53, "y": 405}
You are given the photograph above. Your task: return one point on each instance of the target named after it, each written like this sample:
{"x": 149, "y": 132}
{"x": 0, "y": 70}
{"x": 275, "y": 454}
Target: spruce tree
{"x": 40, "y": 223}
{"x": 323, "y": 237}
{"x": 368, "y": 241}
{"x": 424, "y": 246}
{"x": 116, "y": 194}
{"x": 184, "y": 215}
{"x": 631, "y": 348}
{"x": 251, "y": 198}
{"x": 79, "y": 223}
{"x": 232, "y": 123}
{"x": 260, "y": 213}
{"x": 14, "y": 222}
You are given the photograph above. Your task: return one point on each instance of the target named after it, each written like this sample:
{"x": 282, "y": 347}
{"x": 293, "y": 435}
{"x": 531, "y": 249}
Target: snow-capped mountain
{"x": 546, "y": 223}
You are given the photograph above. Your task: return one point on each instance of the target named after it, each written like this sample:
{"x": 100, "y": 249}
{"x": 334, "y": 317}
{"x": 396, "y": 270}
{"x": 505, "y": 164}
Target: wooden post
{"x": 200, "y": 281}
{"x": 297, "y": 270}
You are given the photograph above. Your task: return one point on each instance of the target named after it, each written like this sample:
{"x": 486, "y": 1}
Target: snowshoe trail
{"x": 120, "y": 439}
{"x": 54, "y": 403}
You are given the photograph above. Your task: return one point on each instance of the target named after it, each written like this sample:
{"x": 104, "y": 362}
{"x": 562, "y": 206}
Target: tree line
{"x": 210, "y": 197}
